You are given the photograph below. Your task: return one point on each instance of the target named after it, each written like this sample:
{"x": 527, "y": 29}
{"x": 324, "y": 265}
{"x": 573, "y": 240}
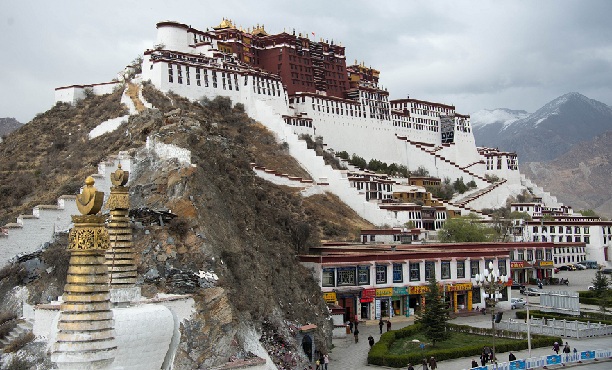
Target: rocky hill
{"x": 8, "y": 125}
{"x": 227, "y": 219}
{"x": 581, "y": 177}
{"x": 546, "y": 134}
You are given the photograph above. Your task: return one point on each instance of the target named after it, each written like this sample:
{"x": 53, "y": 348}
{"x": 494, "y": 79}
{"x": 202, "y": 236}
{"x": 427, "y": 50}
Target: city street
{"x": 348, "y": 355}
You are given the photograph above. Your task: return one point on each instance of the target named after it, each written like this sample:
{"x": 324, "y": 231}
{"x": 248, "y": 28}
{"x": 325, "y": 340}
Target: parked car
{"x": 591, "y": 287}
{"x": 606, "y": 271}
{"x": 530, "y": 291}
{"x": 517, "y": 303}
{"x": 580, "y": 266}
{"x": 571, "y": 268}
{"x": 564, "y": 268}
{"x": 557, "y": 269}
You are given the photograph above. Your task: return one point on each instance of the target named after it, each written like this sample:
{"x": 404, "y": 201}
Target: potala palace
{"x": 296, "y": 86}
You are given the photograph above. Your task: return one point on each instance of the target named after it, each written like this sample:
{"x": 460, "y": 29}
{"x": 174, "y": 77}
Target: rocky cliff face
{"x": 8, "y": 125}
{"x": 225, "y": 219}
{"x": 581, "y": 177}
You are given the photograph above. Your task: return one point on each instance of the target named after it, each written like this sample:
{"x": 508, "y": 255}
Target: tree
{"x": 588, "y": 213}
{"x": 465, "y": 229}
{"x": 600, "y": 284}
{"x": 421, "y": 172}
{"x": 434, "y": 315}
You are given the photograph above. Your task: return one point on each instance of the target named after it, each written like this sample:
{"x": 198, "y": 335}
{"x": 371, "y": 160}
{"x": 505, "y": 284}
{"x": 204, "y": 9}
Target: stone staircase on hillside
{"x": 32, "y": 231}
{"x": 424, "y": 147}
{"x": 23, "y": 327}
{"x": 481, "y": 192}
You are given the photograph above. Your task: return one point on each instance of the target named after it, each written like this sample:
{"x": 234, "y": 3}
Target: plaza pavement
{"x": 348, "y": 355}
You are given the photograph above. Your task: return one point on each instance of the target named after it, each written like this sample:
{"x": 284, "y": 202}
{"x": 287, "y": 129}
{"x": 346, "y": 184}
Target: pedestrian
{"x": 474, "y": 364}
{"x": 325, "y": 360}
{"x": 356, "y": 322}
{"x": 380, "y": 325}
{"x": 356, "y": 335}
{"x": 388, "y": 325}
{"x": 556, "y": 347}
{"x": 511, "y": 357}
{"x": 318, "y": 363}
{"x": 483, "y": 358}
{"x": 567, "y": 351}
{"x": 433, "y": 365}
{"x": 350, "y": 324}
{"x": 371, "y": 341}
{"x": 575, "y": 351}
{"x": 424, "y": 363}
{"x": 487, "y": 351}
{"x": 410, "y": 367}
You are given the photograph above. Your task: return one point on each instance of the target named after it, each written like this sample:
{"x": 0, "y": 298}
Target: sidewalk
{"x": 348, "y": 355}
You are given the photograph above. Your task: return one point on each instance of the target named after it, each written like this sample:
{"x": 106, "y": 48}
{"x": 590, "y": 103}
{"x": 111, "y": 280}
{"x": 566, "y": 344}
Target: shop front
{"x": 416, "y": 298}
{"x": 544, "y": 269}
{"x": 459, "y": 296}
{"x": 367, "y": 303}
{"x": 520, "y": 271}
{"x": 399, "y": 302}
{"x": 383, "y": 306}
{"x": 348, "y": 299}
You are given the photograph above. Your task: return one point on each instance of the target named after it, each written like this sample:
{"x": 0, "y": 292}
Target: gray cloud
{"x": 473, "y": 54}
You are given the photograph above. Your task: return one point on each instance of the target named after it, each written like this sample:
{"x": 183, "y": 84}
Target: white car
{"x": 517, "y": 303}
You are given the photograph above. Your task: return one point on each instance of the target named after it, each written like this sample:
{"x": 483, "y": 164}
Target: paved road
{"x": 348, "y": 355}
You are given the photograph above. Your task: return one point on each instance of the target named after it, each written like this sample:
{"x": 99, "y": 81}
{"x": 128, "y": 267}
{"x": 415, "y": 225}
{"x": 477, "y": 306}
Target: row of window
{"x": 559, "y": 229}
{"x": 568, "y": 239}
{"x": 360, "y": 275}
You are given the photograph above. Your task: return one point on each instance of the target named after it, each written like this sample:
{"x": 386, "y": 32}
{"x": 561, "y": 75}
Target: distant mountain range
{"x": 565, "y": 146}
{"x": 8, "y": 125}
{"x": 546, "y": 134}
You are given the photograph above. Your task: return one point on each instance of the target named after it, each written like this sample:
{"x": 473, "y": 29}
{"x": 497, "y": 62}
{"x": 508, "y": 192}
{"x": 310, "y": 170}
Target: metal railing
{"x": 542, "y": 361}
{"x": 563, "y": 328}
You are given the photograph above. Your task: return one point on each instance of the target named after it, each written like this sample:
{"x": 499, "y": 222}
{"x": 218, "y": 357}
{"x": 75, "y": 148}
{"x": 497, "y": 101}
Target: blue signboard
{"x": 553, "y": 360}
{"x": 518, "y": 365}
{"x": 587, "y": 355}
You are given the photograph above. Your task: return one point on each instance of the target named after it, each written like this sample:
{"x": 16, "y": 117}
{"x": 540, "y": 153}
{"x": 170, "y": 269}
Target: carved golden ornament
{"x": 118, "y": 200}
{"x": 119, "y": 177}
{"x": 90, "y": 201}
{"x": 88, "y": 232}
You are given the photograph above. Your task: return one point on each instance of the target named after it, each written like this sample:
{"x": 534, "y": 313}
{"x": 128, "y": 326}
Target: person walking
{"x": 433, "y": 365}
{"x": 371, "y": 341}
{"x": 350, "y": 324}
{"x": 424, "y": 363}
{"x": 388, "y": 325}
{"x": 410, "y": 367}
{"x": 325, "y": 360}
{"x": 556, "y": 347}
{"x": 356, "y": 335}
{"x": 380, "y": 325}
{"x": 474, "y": 364}
{"x": 511, "y": 357}
{"x": 567, "y": 350}
{"x": 483, "y": 358}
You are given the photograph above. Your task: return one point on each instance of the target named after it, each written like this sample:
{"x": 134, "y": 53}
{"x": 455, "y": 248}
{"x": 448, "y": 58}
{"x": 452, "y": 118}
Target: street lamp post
{"x": 492, "y": 283}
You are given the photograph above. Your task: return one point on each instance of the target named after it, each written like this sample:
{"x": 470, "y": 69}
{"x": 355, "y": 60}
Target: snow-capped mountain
{"x": 547, "y": 133}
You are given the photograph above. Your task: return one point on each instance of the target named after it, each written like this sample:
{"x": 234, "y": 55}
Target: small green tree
{"x": 434, "y": 315}
{"x": 588, "y": 213}
{"x": 465, "y": 229}
{"x": 600, "y": 284}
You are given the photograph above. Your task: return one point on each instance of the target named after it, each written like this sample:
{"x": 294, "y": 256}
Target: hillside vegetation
{"x": 228, "y": 220}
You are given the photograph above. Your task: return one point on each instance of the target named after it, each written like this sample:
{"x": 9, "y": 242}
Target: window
{"x": 521, "y": 255}
{"x": 476, "y": 295}
{"x": 529, "y": 255}
{"x": 170, "y": 73}
{"x": 198, "y": 77}
{"x": 363, "y": 274}
{"x": 430, "y": 270}
{"x": 381, "y": 274}
{"x": 460, "y": 269}
{"x": 474, "y": 269}
{"x": 501, "y": 266}
{"x": 445, "y": 270}
{"x": 539, "y": 254}
{"x": 397, "y": 273}
{"x": 346, "y": 276}
{"x": 415, "y": 271}
{"x": 187, "y": 75}
{"x": 328, "y": 277}
{"x": 179, "y": 73}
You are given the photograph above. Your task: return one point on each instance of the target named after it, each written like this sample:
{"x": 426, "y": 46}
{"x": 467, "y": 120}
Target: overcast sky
{"x": 472, "y": 54}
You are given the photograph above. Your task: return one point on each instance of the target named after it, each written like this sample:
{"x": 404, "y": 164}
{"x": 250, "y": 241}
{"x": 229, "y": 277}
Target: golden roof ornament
{"x": 90, "y": 201}
{"x": 119, "y": 177}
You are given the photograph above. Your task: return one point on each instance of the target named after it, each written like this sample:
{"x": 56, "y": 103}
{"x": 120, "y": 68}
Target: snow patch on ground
{"x": 107, "y": 126}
